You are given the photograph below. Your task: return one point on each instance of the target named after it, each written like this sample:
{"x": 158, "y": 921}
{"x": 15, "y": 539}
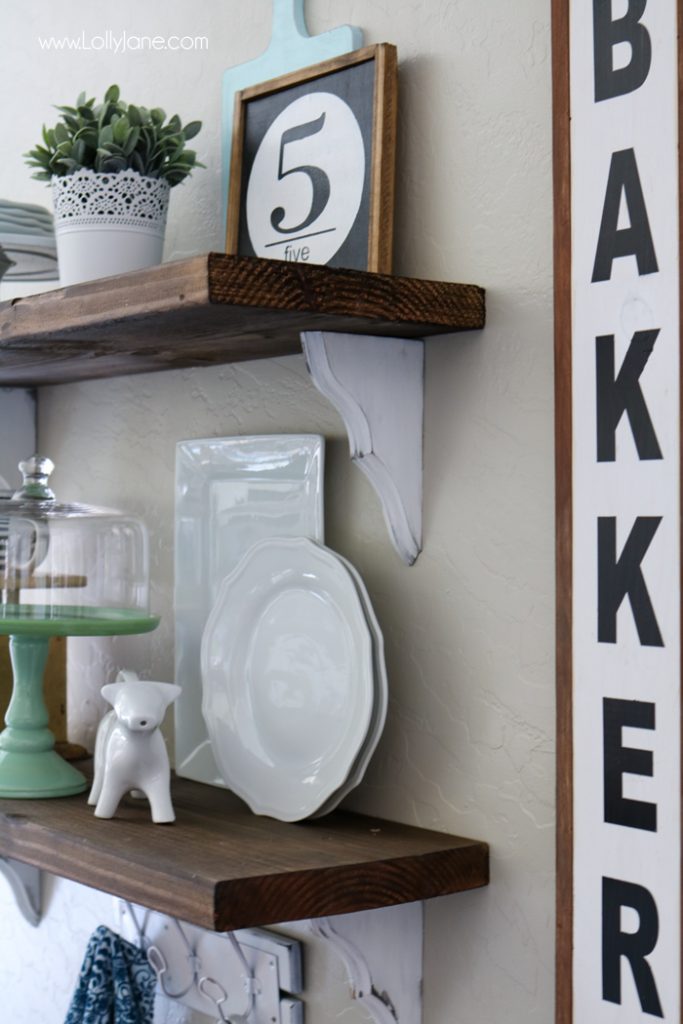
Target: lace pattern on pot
{"x": 125, "y": 198}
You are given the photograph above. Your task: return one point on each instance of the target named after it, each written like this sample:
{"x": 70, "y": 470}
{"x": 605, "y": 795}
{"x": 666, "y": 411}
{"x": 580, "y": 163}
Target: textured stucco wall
{"x": 469, "y": 741}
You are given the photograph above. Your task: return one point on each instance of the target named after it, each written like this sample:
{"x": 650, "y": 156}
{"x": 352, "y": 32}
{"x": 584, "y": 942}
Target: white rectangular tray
{"x": 230, "y": 493}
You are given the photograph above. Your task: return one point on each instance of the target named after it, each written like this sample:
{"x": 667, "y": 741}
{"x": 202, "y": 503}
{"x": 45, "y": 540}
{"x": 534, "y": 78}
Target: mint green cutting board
{"x": 290, "y": 48}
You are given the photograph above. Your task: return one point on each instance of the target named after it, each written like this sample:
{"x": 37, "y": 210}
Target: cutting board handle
{"x": 288, "y": 20}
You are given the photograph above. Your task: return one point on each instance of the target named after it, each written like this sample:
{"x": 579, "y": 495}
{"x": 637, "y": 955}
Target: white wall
{"x": 469, "y": 741}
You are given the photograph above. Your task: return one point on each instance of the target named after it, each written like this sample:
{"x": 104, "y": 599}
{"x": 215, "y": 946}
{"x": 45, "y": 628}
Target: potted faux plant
{"x": 111, "y": 166}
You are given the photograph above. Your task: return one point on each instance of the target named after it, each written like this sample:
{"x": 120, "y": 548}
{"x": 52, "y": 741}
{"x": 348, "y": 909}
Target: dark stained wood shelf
{"x": 214, "y": 309}
{"x": 221, "y": 867}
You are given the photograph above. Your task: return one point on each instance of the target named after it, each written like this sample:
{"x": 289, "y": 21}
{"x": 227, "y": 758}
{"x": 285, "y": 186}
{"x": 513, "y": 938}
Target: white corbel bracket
{"x": 27, "y": 885}
{"x": 382, "y": 952}
{"x": 376, "y": 385}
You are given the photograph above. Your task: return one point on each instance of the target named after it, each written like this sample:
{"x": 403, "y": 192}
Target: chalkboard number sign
{"x": 312, "y": 171}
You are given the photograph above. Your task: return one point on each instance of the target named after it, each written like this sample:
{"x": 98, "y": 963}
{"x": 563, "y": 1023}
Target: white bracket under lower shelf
{"x": 376, "y": 385}
{"x": 382, "y": 953}
{"x": 27, "y": 885}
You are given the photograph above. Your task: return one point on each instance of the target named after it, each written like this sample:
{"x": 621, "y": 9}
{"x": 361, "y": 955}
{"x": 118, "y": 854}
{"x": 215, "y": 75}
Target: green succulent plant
{"x": 113, "y": 136}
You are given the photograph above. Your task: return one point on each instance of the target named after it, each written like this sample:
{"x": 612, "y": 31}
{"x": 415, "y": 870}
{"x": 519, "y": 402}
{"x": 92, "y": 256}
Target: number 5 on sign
{"x": 306, "y": 182}
{"x": 319, "y": 180}
{"x": 312, "y": 170}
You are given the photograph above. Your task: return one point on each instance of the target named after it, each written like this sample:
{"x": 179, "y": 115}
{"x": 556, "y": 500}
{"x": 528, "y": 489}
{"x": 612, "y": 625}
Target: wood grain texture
{"x": 563, "y": 505}
{"x": 232, "y": 225}
{"x": 214, "y": 309}
{"x": 312, "y": 72}
{"x": 679, "y": 13}
{"x": 41, "y": 582}
{"x": 221, "y": 867}
{"x": 382, "y": 181}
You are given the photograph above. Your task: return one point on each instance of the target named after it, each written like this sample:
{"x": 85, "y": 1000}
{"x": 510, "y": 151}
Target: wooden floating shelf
{"x": 214, "y": 309}
{"x": 221, "y": 867}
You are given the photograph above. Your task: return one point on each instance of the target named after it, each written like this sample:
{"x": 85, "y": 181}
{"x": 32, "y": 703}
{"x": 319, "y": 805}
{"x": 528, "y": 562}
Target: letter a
{"x": 634, "y": 240}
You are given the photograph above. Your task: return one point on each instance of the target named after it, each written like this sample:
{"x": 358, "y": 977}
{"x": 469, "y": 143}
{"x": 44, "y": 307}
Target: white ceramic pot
{"x": 108, "y": 223}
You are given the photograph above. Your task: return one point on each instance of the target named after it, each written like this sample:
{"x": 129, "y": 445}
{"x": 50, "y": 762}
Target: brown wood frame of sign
{"x": 369, "y": 243}
{"x": 563, "y": 506}
{"x": 565, "y": 430}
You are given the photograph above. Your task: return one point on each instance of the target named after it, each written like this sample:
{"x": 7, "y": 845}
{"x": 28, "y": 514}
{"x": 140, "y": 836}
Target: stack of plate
{"x": 293, "y": 676}
{"x": 27, "y": 236}
{"x": 291, "y": 698}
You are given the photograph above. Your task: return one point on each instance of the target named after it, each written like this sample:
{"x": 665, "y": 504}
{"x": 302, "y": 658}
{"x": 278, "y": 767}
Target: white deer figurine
{"x": 130, "y": 753}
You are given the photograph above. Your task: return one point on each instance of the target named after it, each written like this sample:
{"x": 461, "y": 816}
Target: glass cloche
{"x": 65, "y": 570}
{"x": 74, "y": 568}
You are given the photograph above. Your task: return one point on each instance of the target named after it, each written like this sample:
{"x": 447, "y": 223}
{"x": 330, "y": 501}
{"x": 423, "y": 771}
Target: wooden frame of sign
{"x": 312, "y": 165}
{"x": 617, "y": 181}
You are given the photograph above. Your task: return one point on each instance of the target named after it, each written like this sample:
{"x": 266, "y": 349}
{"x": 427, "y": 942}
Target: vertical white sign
{"x": 626, "y": 515}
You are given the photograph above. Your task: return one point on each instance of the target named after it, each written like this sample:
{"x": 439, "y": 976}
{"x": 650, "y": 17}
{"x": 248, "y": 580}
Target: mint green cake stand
{"x": 29, "y": 765}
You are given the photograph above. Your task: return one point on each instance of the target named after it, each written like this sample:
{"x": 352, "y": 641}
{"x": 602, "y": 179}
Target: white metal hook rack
{"x": 252, "y": 975}
{"x": 381, "y": 951}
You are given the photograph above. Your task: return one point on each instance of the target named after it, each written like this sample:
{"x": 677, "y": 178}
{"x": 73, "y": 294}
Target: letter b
{"x": 607, "y": 33}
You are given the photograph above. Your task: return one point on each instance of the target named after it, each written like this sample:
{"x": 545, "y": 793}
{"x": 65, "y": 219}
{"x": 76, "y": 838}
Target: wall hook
{"x": 156, "y": 958}
{"x": 203, "y": 985}
{"x": 194, "y": 967}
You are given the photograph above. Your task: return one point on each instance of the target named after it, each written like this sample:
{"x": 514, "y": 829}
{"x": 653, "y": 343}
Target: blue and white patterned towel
{"x": 116, "y": 983}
